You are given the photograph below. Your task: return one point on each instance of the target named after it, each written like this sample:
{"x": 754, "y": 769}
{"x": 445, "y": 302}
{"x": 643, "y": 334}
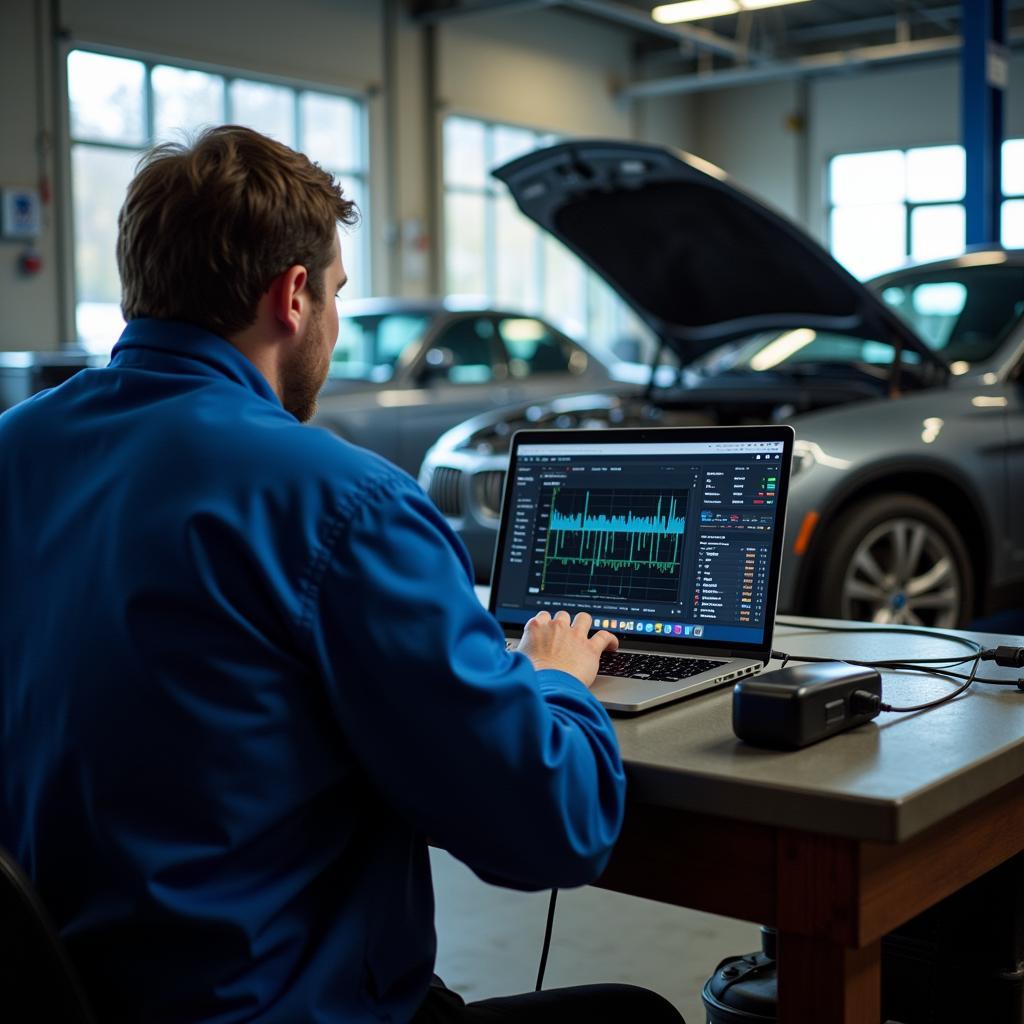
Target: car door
{"x": 462, "y": 373}
{"x": 541, "y": 362}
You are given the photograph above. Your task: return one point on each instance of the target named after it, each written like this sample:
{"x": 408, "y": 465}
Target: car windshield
{"x": 369, "y": 345}
{"x": 963, "y": 315}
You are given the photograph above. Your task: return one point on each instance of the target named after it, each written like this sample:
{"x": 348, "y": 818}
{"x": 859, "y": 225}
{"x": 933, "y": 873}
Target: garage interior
{"x": 889, "y": 131}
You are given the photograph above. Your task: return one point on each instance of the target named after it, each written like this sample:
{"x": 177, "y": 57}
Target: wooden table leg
{"x": 823, "y": 982}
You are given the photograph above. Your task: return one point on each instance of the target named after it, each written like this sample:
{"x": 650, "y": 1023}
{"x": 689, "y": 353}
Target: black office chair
{"x": 37, "y": 981}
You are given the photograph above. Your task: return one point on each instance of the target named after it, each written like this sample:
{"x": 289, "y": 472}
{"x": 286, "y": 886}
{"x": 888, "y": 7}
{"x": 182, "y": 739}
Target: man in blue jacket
{"x": 244, "y": 675}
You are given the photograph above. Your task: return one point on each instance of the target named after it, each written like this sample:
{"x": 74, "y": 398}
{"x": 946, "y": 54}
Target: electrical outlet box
{"x": 20, "y": 214}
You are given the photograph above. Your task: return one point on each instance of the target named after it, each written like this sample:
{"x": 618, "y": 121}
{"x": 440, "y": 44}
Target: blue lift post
{"x": 984, "y": 75}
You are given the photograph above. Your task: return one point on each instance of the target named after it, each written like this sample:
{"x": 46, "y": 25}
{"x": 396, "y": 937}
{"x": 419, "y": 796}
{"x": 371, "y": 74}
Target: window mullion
{"x": 490, "y": 220}
{"x": 149, "y": 116}
{"x": 124, "y": 147}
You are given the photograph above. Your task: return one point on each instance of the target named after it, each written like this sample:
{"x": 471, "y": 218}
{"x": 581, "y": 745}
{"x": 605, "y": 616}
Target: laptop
{"x": 671, "y": 538}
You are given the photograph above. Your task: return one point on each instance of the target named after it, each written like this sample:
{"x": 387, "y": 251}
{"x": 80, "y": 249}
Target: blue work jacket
{"x": 244, "y": 677}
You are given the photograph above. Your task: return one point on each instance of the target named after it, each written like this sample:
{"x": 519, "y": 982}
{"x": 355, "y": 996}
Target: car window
{"x": 963, "y": 314}
{"x": 532, "y": 347}
{"x": 369, "y": 345}
{"x": 468, "y": 348}
{"x": 770, "y": 351}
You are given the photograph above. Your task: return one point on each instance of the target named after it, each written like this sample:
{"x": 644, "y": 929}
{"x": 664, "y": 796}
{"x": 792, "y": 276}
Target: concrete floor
{"x": 489, "y": 940}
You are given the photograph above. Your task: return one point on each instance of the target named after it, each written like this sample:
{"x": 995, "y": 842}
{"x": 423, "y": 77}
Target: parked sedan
{"x": 907, "y": 395}
{"x": 404, "y": 371}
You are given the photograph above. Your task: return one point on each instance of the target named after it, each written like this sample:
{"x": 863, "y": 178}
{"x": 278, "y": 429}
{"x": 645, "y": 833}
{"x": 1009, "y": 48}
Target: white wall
{"x": 28, "y": 305}
{"x": 748, "y": 134}
{"x": 553, "y": 70}
{"x": 337, "y": 42}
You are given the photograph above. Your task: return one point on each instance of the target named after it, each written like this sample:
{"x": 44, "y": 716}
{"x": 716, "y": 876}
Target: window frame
{"x": 492, "y": 191}
{"x": 908, "y": 206}
{"x": 66, "y": 143}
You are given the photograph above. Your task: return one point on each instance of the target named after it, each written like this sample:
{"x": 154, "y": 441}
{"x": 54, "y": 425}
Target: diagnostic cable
{"x": 1006, "y": 656}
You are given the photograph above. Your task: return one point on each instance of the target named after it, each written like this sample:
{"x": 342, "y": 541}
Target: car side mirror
{"x": 437, "y": 364}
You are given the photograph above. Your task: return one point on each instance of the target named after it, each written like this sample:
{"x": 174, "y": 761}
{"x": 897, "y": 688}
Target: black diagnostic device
{"x": 794, "y": 707}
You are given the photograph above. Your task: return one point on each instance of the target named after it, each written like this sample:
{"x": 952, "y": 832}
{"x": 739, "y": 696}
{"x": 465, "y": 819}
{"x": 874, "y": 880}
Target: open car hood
{"x": 698, "y": 259}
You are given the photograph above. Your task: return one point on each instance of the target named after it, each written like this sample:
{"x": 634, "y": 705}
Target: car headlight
{"x": 809, "y": 453}
{"x": 803, "y": 459}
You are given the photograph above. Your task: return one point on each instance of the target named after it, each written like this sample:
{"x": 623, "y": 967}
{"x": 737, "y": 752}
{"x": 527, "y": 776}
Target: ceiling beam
{"x": 702, "y": 38}
{"x": 608, "y": 10}
{"x": 882, "y": 23}
{"x": 427, "y": 14}
{"x": 815, "y": 64}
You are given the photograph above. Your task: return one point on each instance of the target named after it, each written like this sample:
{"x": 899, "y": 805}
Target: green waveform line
{"x": 602, "y": 543}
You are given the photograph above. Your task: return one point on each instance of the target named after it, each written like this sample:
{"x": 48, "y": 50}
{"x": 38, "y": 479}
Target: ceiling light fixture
{"x": 695, "y": 10}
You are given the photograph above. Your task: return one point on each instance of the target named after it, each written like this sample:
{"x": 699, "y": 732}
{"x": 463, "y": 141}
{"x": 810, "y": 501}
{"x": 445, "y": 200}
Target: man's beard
{"x": 304, "y": 374}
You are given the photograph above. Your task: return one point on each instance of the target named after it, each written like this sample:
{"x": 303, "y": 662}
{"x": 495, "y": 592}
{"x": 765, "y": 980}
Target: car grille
{"x": 488, "y": 491}
{"x": 446, "y": 490}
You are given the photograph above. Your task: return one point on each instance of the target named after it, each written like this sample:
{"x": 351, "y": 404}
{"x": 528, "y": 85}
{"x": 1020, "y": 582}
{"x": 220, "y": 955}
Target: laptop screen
{"x": 671, "y": 535}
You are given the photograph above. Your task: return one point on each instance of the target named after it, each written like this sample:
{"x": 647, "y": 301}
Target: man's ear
{"x": 287, "y": 298}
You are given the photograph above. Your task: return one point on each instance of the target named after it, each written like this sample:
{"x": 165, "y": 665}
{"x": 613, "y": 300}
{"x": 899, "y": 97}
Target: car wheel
{"x": 896, "y": 559}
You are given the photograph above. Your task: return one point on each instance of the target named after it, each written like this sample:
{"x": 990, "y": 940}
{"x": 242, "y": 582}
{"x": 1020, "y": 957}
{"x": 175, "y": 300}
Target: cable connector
{"x": 1008, "y": 657}
{"x": 863, "y": 702}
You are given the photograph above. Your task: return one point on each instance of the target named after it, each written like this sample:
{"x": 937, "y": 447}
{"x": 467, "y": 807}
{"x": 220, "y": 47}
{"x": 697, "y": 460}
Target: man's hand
{"x": 558, "y": 643}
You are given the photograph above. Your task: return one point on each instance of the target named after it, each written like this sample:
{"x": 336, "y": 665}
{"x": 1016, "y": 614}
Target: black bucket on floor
{"x": 961, "y": 961}
{"x": 744, "y": 989}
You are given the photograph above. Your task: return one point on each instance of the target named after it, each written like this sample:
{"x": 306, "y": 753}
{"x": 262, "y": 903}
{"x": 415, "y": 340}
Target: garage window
{"x": 890, "y": 206}
{"x": 894, "y": 205}
{"x": 493, "y": 251}
{"x": 1012, "y": 226}
{"x": 120, "y": 106}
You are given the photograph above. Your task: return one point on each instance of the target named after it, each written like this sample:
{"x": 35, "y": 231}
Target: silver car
{"x": 405, "y": 370}
{"x": 907, "y": 395}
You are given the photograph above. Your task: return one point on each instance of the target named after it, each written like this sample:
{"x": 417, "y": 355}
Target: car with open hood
{"x": 906, "y": 393}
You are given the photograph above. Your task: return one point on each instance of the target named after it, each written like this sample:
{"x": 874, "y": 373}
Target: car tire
{"x": 895, "y": 559}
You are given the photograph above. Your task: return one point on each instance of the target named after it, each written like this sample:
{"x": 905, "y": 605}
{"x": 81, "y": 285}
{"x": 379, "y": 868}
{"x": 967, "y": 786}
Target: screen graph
{"x": 610, "y": 542}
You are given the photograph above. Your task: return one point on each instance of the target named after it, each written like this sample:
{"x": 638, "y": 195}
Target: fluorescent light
{"x": 694, "y": 10}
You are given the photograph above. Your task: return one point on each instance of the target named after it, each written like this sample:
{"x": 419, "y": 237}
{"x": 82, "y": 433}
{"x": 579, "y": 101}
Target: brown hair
{"x": 206, "y": 227}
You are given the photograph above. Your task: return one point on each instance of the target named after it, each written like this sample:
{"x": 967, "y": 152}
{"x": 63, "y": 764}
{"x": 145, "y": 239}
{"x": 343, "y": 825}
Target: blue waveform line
{"x": 596, "y": 539}
{"x": 670, "y": 523}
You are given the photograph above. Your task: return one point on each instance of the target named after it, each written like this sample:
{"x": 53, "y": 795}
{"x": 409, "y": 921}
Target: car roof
{"x": 431, "y": 306}
{"x": 973, "y": 256}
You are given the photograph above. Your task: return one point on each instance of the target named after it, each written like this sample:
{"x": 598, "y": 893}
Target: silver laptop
{"x": 671, "y": 538}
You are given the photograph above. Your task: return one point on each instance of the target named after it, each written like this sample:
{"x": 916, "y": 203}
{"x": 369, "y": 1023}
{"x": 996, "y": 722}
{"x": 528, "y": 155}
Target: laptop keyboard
{"x": 653, "y": 666}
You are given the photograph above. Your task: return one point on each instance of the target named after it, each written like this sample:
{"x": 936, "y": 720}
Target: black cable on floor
{"x": 547, "y": 940}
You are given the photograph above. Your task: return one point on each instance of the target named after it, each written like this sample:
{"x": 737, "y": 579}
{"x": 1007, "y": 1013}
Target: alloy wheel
{"x": 903, "y": 572}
